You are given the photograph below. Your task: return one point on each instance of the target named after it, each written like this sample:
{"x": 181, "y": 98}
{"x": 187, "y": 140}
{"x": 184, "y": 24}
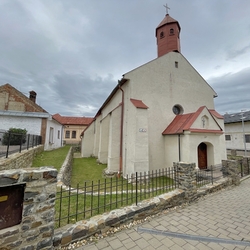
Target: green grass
{"x": 86, "y": 170}
{"x": 53, "y": 158}
{"x": 87, "y": 175}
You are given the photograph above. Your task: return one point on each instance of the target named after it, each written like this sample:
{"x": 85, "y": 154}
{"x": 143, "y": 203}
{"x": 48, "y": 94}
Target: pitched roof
{"x": 30, "y": 105}
{"x": 237, "y": 117}
{"x": 72, "y": 120}
{"x": 138, "y": 104}
{"x": 184, "y": 122}
{"x": 167, "y": 20}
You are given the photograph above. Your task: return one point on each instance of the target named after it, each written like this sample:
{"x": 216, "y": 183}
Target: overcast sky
{"x": 73, "y": 52}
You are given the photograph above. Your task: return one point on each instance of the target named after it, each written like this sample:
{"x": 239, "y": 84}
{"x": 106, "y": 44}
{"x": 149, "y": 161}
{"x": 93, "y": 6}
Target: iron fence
{"x": 208, "y": 175}
{"x": 92, "y": 198}
{"x": 21, "y": 142}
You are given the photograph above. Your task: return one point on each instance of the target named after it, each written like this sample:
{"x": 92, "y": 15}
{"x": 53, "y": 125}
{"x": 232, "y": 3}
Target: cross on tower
{"x": 167, "y": 8}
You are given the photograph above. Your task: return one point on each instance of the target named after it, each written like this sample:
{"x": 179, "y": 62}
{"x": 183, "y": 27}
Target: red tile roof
{"x": 216, "y": 114}
{"x": 138, "y": 104}
{"x": 72, "y": 120}
{"x": 184, "y": 122}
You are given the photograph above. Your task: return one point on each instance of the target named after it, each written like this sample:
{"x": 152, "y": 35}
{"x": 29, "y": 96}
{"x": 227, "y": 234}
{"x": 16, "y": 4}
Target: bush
{"x": 17, "y": 135}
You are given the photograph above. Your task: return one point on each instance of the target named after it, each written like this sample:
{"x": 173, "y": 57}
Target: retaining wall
{"x": 20, "y": 160}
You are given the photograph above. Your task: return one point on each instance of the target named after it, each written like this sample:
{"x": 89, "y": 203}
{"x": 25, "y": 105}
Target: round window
{"x": 177, "y": 109}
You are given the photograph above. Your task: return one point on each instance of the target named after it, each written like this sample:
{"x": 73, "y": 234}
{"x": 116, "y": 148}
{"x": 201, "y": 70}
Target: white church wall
{"x": 96, "y": 136}
{"x": 206, "y": 121}
{"x": 104, "y": 140}
{"x": 160, "y": 86}
{"x": 191, "y": 142}
{"x": 87, "y": 143}
{"x": 171, "y": 150}
{"x": 114, "y": 141}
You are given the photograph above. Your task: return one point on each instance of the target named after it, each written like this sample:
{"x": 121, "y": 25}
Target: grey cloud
{"x": 235, "y": 53}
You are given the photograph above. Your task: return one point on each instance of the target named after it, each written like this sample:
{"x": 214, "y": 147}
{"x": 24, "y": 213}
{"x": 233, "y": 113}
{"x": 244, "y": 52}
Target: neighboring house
{"x": 237, "y": 130}
{"x": 73, "y": 127}
{"x": 19, "y": 111}
{"x": 159, "y": 113}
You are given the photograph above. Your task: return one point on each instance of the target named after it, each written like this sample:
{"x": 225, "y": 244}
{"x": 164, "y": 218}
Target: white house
{"x": 237, "y": 130}
{"x": 159, "y": 113}
{"x": 19, "y": 111}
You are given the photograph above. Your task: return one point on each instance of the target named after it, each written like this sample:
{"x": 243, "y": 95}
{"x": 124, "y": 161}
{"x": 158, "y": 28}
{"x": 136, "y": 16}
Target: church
{"x": 159, "y": 113}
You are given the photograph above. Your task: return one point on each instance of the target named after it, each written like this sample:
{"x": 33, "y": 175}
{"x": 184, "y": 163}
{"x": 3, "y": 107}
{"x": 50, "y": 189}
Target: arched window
{"x": 171, "y": 32}
{"x": 162, "y": 34}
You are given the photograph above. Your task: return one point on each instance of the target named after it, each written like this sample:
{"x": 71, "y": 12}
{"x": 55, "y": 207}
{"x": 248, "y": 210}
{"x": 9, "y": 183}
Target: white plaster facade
{"x": 32, "y": 122}
{"x": 159, "y": 85}
{"x": 236, "y": 135}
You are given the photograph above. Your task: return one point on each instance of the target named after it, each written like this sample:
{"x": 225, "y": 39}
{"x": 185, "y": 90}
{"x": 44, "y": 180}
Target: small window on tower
{"x": 171, "y": 32}
{"x": 162, "y": 34}
{"x": 176, "y": 64}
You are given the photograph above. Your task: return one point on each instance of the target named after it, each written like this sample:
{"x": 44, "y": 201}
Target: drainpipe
{"x": 179, "y": 146}
{"x": 121, "y": 132}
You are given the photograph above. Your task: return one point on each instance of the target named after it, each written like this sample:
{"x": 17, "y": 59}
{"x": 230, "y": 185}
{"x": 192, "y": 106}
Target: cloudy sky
{"x": 73, "y": 52}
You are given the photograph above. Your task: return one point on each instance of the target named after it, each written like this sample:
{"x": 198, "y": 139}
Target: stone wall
{"x": 64, "y": 176}
{"x": 20, "y": 160}
{"x": 36, "y": 228}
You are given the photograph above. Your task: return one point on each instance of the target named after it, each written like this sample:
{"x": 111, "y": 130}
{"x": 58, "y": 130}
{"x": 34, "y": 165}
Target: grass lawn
{"x": 53, "y": 158}
{"x": 86, "y": 170}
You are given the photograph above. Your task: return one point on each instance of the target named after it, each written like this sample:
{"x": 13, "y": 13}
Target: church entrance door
{"x": 202, "y": 156}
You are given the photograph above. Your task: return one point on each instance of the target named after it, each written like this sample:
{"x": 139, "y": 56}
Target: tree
{"x": 14, "y": 136}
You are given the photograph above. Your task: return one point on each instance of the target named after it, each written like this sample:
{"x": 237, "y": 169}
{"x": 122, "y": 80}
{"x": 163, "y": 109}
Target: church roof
{"x": 184, "y": 122}
{"x": 167, "y": 20}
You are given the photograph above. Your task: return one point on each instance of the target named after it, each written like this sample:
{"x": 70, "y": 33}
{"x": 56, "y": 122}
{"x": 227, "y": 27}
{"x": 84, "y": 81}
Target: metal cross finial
{"x": 167, "y": 8}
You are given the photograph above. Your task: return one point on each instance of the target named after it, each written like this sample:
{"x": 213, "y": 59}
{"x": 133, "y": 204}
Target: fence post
{"x": 8, "y": 146}
{"x": 187, "y": 179}
{"x": 136, "y": 188}
{"x": 212, "y": 176}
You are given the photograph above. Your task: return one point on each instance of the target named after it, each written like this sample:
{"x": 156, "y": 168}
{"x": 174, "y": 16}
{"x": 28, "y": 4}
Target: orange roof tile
{"x": 184, "y": 122}
{"x": 138, "y": 104}
{"x": 216, "y": 114}
{"x": 72, "y": 120}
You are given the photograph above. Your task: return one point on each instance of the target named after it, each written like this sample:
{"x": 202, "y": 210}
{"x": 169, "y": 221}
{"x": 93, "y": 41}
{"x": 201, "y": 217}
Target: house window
{"x": 247, "y": 138}
{"x": 67, "y": 134}
{"x": 73, "y": 134}
{"x": 176, "y": 64}
{"x": 228, "y": 137}
{"x": 58, "y": 134}
{"x": 51, "y": 133}
{"x": 171, "y": 32}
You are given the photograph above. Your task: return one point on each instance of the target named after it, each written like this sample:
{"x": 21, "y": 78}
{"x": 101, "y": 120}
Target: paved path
{"x": 217, "y": 221}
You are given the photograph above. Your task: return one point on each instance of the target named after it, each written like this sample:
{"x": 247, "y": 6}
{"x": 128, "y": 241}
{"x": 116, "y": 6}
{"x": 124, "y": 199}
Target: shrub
{"x": 15, "y": 136}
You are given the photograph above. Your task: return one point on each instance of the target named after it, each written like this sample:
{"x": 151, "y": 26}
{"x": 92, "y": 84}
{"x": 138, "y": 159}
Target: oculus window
{"x": 177, "y": 109}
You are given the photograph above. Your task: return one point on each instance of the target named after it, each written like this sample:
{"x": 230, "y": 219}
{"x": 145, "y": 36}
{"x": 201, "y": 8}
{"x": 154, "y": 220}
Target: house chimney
{"x": 33, "y": 96}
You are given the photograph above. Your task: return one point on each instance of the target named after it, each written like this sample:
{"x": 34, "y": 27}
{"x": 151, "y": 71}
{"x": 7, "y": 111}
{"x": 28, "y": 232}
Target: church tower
{"x": 168, "y": 36}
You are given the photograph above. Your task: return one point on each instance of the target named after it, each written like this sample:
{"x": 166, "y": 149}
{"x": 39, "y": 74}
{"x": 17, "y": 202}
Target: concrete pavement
{"x": 216, "y": 221}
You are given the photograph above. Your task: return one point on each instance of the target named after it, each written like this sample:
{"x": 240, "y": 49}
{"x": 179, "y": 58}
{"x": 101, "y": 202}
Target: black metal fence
{"x": 92, "y": 198}
{"x": 21, "y": 142}
{"x": 208, "y": 175}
